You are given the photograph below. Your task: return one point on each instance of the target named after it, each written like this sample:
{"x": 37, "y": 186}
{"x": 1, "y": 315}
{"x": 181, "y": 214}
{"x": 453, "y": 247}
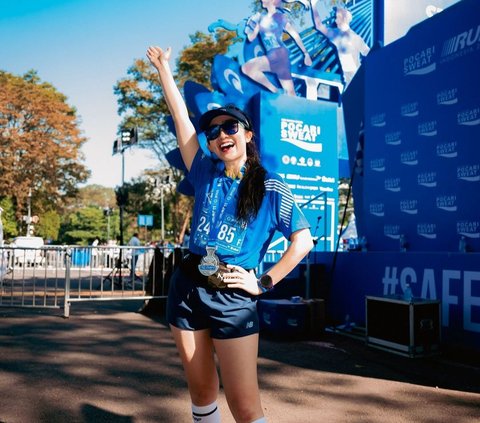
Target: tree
{"x": 91, "y": 214}
{"x": 48, "y": 226}
{"x": 40, "y": 142}
{"x": 83, "y": 226}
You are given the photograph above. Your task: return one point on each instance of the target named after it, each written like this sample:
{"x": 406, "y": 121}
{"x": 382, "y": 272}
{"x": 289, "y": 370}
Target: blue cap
{"x": 229, "y": 110}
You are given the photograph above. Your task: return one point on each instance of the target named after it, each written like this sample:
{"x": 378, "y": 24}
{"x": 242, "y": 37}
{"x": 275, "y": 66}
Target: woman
{"x": 238, "y": 206}
{"x": 350, "y": 46}
{"x": 270, "y": 26}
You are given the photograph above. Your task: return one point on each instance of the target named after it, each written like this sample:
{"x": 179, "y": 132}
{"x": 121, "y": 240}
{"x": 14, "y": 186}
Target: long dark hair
{"x": 252, "y": 187}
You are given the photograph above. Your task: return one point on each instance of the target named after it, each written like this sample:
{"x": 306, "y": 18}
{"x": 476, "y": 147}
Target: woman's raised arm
{"x": 186, "y": 134}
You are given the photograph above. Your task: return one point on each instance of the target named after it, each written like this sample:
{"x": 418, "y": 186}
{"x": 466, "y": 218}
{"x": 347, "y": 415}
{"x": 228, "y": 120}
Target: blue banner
{"x": 298, "y": 140}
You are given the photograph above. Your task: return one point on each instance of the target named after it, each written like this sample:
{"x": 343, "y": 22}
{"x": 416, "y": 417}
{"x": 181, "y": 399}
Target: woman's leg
{"x": 287, "y": 85}
{"x": 196, "y": 352}
{"x": 238, "y": 366}
{"x": 255, "y": 69}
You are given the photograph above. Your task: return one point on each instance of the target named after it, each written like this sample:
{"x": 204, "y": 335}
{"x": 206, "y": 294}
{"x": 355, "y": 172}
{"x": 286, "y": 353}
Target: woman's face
{"x": 230, "y": 148}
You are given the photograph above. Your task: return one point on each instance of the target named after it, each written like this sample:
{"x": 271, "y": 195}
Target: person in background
{"x": 269, "y": 26}
{"x": 213, "y": 293}
{"x": 134, "y": 242}
{"x": 94, "y": 251}
{"x": 350, "y": 46}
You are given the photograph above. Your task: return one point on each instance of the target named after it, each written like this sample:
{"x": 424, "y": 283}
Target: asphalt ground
{"x": 107, "y": 363}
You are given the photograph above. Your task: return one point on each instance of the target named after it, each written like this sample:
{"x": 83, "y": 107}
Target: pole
{"x": 122, "y": 206}
{"x": 163, "y": 213}
{"x": 68, "y": 265}
{"x": 29, "y": 212}
{"x": 108, "y": 224}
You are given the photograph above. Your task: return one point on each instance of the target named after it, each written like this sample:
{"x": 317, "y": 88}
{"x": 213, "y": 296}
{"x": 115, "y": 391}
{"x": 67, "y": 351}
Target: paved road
{"x": 107, "y": 363}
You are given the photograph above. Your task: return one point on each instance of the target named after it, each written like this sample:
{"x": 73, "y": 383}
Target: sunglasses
{"x": 229, "y": 127}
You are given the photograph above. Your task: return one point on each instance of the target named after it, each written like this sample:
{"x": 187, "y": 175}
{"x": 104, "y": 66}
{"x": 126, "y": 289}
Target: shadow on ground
{"x": 107, "y": 363}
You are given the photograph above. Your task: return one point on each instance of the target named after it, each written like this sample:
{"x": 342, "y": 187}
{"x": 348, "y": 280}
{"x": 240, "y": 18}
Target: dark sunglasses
{"x": 229, "y": 127}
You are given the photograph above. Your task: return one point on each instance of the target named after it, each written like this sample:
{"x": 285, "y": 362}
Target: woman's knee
{"x": 247, "y": 68}
{"x": 203, "y": 393}
{"x": 245, "y": 411}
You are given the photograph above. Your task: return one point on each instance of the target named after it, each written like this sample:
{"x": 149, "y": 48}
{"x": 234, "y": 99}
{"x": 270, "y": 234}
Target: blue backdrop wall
{"x": 417, "y": 175}
{"x": 422, "y": 125}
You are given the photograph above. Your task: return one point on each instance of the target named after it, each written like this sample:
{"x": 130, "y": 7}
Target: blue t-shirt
{"x": 271, "y": 30}
{"x": 240, "y": 244}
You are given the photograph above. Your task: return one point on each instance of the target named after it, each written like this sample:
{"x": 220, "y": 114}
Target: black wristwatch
{"x": 265, "y": 283}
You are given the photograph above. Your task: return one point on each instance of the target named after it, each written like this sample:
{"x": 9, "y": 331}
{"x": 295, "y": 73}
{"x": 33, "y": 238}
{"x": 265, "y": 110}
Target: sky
{"x": 83, "y": 47}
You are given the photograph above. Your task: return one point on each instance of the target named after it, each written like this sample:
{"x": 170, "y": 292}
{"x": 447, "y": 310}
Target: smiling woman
{"x": 238, "y": 207}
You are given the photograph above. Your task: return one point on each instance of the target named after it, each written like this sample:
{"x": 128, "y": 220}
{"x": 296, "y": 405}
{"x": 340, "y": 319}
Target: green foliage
{"x": 10, "y": 229}
{"x": 85, "y": 218}
{"x": 48, "y": 226}
{"x": 83, "y": 226}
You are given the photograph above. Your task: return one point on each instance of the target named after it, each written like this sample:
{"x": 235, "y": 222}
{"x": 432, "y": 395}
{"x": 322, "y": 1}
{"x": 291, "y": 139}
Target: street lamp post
{"x": 128, "y": 137}
{"x": 163, "y": 211}
{"x": 29, "y": 212}
{"x": 107, "y": 212}
{"x": 122, "y": 205}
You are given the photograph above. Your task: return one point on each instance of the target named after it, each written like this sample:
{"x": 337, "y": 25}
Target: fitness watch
{"x": 265, "y": 283}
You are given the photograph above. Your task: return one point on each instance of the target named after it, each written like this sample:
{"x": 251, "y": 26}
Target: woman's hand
{"x": 240, "y": 278}
{"x": 158, "y": 57}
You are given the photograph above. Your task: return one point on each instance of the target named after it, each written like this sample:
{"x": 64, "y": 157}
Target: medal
{"x": 210, "y": 263}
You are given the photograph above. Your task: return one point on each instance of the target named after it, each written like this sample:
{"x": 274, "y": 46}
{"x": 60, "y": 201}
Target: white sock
{"x": 260, "y": 420}
{"x": 206, "y": 413}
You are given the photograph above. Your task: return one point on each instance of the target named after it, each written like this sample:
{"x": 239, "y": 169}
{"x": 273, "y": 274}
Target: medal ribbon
{"x": 217, "y": 187}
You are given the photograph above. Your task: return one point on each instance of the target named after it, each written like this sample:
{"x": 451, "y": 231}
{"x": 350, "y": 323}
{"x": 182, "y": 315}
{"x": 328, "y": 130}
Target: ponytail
{"x": 252, "y": 186}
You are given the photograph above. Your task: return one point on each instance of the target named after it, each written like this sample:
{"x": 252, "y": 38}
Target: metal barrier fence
{"x": 55, "y": 277}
